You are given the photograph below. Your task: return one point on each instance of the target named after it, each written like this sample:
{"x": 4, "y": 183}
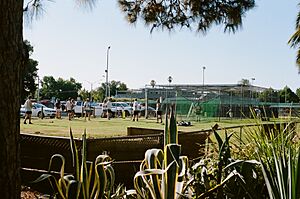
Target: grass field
{"x": 101, "y": 127}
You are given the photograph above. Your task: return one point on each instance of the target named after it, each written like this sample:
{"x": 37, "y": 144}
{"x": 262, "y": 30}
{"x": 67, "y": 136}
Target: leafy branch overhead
{"x": 193, "y": 14}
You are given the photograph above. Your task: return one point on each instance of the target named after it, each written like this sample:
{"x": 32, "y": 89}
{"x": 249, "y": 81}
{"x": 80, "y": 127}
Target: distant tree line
{"x": 285, "y": 95}
{"x": 60, "y": 88}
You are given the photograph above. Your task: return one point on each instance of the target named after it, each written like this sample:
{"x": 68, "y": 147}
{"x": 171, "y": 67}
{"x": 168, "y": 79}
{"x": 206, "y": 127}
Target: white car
{"x": 37, "y": 111}
{"x": 118, "y": 107}
{"x": 79, "y": 109}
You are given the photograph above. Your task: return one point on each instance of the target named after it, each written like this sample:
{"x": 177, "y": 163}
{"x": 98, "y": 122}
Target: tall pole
{"x": 107, "y": 92}
{"x": 203, "y": 68}
{"x": 38, "y": 93}
{"x": 91, "y": 92}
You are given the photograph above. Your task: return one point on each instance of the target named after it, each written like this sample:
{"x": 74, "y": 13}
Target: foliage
{"x": 29, "y": 73}
{"x": 283, "y": 180}
{"x": 116, "y": 86}
{"x": 90, "y": 179}
{"x": 99, "y": 93}
{"x": 60, "y": 88}
{"x": 277, "y": 148}
{"x": 294, "y": 41}
{"x": 244, "y": 82}
{"x": 224, "y": 177}
{"x": 192, "y": 14}
{"x": 83, "y": 93}
{"x": 298, "y": 92}
{"x": 287, "y": 95}
{"x": 269, "y": 95}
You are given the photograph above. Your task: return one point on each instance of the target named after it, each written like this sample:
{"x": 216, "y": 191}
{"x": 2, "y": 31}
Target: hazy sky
{"x": 70, "y": 41}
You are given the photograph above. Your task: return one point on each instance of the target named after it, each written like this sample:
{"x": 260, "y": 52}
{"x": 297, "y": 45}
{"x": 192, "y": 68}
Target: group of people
{"x": 69, "y": 107}
{"x": 136, "y": 109}
{"x": 87, "y": 108}
{"x": 70, "y": 104}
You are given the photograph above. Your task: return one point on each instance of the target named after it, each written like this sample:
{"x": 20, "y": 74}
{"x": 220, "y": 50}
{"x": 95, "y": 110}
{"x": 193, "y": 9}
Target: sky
{"x": 72, "y": 41}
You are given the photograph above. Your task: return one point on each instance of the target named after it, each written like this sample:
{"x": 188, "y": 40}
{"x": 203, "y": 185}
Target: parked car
{"x": 79, "y": 109}
{"x": 37, "y": 111}
{"x": 151, "y": 111}
{"x": 47, "y": 103}
{"x": 22, "y": 111}
{"x": 118, "y": 107}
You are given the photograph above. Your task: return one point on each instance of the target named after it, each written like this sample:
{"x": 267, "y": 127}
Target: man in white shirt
{"x": 28, "y": 110}
{"x": 87, "y": 109}
{"x": 69, "y": 108}
{"x": 136, "y": 111}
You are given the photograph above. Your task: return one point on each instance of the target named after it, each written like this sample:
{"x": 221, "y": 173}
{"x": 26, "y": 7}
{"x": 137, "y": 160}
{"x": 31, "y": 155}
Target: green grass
{"x": 101, "y": 127}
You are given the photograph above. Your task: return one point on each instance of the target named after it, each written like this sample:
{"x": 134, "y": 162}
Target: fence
{"x": 127, "y": 151}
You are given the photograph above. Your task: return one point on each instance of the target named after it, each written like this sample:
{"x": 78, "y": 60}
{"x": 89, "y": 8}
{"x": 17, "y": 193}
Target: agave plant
{"x": 90, "y": 179}
{"x": 162, "y": 173}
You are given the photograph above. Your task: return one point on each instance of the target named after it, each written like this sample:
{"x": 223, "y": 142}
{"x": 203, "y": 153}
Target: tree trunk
{"x": 12, "y": 59}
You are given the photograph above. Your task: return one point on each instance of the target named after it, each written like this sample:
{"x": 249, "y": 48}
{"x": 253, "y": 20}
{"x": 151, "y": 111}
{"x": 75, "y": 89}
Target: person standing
{"x": 87, "y": 109}
{"x": 257, "y": 112}
{"x": 73, "y": 104}
{"x": 230, "y": 113}
{"x": 58, "y": 109}
{"x": 108, "y": 107}
{"x": 69, "y": 108}
{"x": 28, "y": 110}
{"x": 135, "y": 108}
{"x": 158, "y": 111}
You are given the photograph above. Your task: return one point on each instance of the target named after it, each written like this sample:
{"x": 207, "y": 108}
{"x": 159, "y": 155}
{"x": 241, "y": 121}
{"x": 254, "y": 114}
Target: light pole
{"x": 107, "y": 90}
{"x": 203, "y": 68}
{"x": 170, "y": 80}
{"x": 38, "y": 92}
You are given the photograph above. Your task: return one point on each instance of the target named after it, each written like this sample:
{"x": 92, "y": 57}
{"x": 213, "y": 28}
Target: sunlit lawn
{"x": 101, "y": 127}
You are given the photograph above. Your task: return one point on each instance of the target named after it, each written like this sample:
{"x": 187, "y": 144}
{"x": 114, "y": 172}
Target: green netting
{"x": 217, "y": 106}
{"x": 224, "y": 106}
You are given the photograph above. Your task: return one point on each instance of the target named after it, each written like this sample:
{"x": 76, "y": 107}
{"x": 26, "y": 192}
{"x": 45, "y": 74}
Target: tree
{"x": 287, "y": 96}
{"x": 29, "y": 74}
{"x": 269, "y": 95}
{"x": 192, "y": 14}
{"x": 162, "y": 13}
{"x": 244, "y": 82}
{"x": 60, "y": 88}
{"x": 294, "y": 41}
{"x": 99, "y": 93}
{"x": 84, "y": 94}
{"x": 13, "y": 58}
{"x": 298, "y": 92}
